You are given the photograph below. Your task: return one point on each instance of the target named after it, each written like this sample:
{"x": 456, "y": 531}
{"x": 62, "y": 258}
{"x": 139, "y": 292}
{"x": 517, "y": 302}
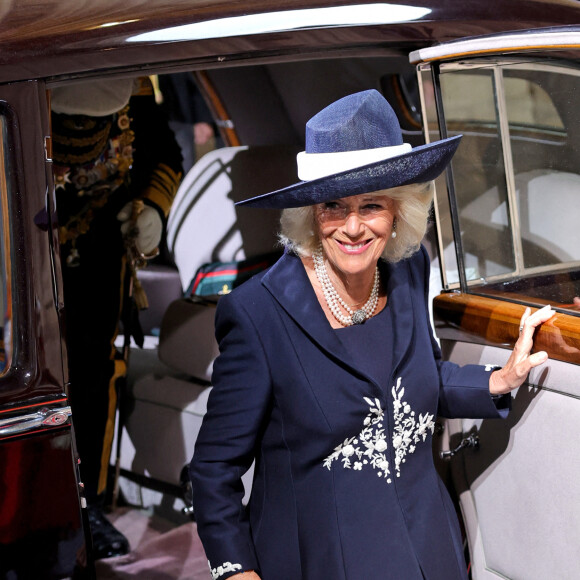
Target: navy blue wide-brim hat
{"x": 355, "y": 146}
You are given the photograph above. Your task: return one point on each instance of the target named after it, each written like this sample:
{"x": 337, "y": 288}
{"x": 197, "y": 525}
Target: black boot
{"x": 108, "y": 541}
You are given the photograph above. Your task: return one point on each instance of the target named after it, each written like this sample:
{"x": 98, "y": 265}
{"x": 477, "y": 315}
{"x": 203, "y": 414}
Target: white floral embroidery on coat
{"x": 223, "y": 569}
{"x": 408, "y": 430}
{"x": 366, "y": 448}
{"x": 370, "y": 445}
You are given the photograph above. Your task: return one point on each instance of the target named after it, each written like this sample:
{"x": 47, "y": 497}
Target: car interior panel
{"x": 529, "y": 441}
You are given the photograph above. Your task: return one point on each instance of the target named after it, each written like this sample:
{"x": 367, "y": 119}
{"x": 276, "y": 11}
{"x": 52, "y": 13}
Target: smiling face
{"x": 354, "y": 232}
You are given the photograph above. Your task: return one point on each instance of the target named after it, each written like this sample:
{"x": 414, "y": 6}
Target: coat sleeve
{"x": 226, "y": 444}
{"x": 463, "y": 390}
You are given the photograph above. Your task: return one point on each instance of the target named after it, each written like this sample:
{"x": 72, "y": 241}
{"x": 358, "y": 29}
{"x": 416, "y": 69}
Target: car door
{"x": 41, "y": 528}
{"x": 508, "y": 216}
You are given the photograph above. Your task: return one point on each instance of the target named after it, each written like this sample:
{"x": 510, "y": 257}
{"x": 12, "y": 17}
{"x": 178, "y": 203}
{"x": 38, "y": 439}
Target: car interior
{"x": 210, "y": 243}
{"x": 170, "y": 377}
{"x": 267, "y": 105}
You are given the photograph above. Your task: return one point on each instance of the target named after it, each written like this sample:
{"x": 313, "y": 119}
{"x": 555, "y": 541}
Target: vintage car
{"x": 504, "y": 236}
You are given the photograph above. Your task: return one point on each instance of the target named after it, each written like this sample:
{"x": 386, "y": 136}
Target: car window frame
{"x": 436, "y": 128}
{"x": 6, "y": 184}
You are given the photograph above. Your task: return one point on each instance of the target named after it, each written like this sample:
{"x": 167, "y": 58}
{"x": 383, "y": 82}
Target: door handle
{"x": 45, "y": 418}
{"x": 469, "y": 441}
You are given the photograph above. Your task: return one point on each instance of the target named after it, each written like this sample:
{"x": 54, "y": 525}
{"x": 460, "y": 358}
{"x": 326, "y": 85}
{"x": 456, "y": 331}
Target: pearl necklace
{"x": 333, "y": 299}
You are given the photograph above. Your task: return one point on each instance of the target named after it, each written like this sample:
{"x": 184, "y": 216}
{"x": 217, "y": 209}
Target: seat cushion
{"x": 187, "y": 342}
{"x": 162, "y": 285}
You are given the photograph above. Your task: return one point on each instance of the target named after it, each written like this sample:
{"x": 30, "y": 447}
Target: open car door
{"x": 507, "y": 218}
{"x": 41, "y": 529}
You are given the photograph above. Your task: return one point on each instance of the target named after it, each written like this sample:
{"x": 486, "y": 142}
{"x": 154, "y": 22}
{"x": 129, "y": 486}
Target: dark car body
{"x": 265, "y": 68}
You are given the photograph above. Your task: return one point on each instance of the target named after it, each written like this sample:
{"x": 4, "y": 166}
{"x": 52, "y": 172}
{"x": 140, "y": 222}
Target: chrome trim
{"x": 6, "y": 141}
{"x": 421, "y": 70}
{"x": 426, "y": 69}
{"x": 512, "y": 201}
{"x": 472, "y": 440}
{"x": 497, "y": 43}
{"x": 225, "y": 123}
{"x": 559, "y": 268}
{"x": 44, "y": 418}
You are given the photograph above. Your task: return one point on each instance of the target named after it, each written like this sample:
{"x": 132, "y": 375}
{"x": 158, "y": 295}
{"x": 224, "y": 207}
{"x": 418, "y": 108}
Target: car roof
{"x": 60, "y": 38}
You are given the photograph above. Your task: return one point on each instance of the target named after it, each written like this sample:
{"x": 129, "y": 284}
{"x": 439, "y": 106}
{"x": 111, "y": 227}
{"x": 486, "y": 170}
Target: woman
{"x": 330, "y": 379}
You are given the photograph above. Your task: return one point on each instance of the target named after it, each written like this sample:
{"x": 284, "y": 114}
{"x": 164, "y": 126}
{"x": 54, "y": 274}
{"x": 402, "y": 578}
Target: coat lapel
{"x": 399, "y": 293}
{"x": 288, "y": 283}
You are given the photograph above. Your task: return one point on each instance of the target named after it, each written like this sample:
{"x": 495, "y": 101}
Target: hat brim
{"x": 420, "y": 165}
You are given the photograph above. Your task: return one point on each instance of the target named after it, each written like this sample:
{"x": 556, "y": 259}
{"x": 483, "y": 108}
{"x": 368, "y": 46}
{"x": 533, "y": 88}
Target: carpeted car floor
{"x": 160, "y": 550}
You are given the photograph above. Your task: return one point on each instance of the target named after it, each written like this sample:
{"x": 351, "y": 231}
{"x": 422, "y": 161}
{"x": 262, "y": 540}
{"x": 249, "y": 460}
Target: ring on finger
{"x": 521, "y": 328}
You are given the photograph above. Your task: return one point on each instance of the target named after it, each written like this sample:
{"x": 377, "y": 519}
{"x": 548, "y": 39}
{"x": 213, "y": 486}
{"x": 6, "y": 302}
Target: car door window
{"x": 545, "y": 163}
{"x": 515, "y": 179}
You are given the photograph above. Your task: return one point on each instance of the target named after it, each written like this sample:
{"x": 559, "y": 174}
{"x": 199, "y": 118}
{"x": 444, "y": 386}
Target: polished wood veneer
{"x": 487, "y": 321}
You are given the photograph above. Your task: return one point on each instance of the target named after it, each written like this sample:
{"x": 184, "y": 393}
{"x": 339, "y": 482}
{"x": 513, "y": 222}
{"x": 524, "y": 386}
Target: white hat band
{"x": 316, "y": 165}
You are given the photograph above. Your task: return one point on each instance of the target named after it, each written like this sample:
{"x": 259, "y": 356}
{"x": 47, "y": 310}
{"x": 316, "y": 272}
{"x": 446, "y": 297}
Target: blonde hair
{"x": 412, "y": 204}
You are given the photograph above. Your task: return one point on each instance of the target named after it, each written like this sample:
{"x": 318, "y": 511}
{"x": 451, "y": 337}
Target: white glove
{"x": 149, "y": 227}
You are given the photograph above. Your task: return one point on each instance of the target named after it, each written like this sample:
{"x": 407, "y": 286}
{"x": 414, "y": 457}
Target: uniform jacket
{"x": 344, "y": 484}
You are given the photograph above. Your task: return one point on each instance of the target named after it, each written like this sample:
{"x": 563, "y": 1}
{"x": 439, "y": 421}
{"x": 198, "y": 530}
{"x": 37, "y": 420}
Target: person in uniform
{"x": 330, "y": 379}
{"x": 116, "y": 171}
{"x": 189, "y": 116}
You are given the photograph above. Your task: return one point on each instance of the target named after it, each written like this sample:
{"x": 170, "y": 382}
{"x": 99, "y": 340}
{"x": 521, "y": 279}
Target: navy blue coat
{"x": 344, "y": 485}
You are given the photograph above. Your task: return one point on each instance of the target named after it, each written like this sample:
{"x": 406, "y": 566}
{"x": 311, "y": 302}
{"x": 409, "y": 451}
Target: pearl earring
{"x": 394, "y": 231}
